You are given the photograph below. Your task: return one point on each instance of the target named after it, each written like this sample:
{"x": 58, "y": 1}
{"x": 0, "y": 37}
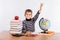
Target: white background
{"x": 10, "y": 8}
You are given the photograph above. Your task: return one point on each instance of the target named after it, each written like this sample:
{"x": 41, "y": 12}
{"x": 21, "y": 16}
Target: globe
{"x": 44, "y": 24}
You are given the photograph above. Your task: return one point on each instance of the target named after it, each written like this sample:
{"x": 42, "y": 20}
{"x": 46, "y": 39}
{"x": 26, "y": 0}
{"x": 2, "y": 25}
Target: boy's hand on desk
{"x": 28, "y": 33}
{"x": 41, "y": 5}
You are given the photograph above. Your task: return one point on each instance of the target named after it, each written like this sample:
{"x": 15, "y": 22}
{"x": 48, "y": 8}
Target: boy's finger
{"x": 41, "y": 6}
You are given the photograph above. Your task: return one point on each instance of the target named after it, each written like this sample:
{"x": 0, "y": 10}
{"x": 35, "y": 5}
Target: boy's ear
{"x": 31, "y": 15}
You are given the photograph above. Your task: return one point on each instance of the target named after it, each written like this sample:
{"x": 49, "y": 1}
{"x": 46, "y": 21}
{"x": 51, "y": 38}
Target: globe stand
{"x": 45, "y": 31}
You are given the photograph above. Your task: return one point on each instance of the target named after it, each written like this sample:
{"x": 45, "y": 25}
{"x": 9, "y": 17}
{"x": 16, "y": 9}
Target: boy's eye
{"x": 28, "y": 14}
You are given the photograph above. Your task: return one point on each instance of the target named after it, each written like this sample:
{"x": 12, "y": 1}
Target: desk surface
{"x": 6, "y": 36}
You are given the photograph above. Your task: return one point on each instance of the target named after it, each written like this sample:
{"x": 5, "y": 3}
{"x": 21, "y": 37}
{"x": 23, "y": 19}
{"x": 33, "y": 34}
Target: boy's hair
{"x": 28, "y": 10}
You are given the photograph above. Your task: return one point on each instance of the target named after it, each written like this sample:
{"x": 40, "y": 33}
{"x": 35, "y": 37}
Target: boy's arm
{"x": 24, "y": 28}
{"x": 36, "y": 16}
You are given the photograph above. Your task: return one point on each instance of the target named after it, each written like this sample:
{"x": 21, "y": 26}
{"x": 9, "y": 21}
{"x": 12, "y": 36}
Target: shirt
{"x": 30, "y": 25}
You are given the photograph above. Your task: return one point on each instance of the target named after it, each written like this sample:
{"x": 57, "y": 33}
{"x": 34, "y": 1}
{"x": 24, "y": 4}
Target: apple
{"x": 16, "y": 18}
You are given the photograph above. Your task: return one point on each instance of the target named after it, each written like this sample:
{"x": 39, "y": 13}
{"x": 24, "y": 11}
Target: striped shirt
{"x": 16, "y": 27}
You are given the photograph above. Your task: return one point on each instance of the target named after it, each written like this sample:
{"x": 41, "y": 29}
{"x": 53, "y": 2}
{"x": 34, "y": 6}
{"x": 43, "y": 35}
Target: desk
{"x": 6, "y": 36}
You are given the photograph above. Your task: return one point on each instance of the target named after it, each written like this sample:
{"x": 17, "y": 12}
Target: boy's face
{"x": 28, "y": 15}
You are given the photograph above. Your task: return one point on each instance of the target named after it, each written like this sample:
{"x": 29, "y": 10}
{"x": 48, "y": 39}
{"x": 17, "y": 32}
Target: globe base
{"x": 48, "y": 33}
{"x": 45, "y": 31}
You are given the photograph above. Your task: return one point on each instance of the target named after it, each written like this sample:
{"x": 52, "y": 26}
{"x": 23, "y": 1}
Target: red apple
{"x": 16, "y": 18}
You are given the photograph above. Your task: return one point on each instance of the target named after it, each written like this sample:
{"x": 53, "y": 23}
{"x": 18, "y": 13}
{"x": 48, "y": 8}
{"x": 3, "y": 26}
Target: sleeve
{"x": 24, "y": 28}
{"x": 36, "y": 16}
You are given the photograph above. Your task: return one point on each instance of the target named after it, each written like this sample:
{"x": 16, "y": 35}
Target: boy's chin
{"x": 28, "y": 18}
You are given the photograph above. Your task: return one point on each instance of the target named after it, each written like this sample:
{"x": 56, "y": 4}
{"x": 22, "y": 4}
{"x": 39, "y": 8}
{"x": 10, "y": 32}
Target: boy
{"x": 28, "y": 23}
{"x": 16, "y": 26}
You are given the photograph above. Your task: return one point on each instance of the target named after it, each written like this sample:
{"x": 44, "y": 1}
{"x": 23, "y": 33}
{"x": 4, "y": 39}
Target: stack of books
{"x": 16, "y": 27}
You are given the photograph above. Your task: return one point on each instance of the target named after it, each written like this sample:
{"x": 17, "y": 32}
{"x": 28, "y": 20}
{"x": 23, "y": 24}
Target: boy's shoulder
{"x": 32, "y": 19}
{"x": 24, "y": 21}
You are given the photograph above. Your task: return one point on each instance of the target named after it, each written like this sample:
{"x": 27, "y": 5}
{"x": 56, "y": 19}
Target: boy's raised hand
{"x": 41, "y": 5}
